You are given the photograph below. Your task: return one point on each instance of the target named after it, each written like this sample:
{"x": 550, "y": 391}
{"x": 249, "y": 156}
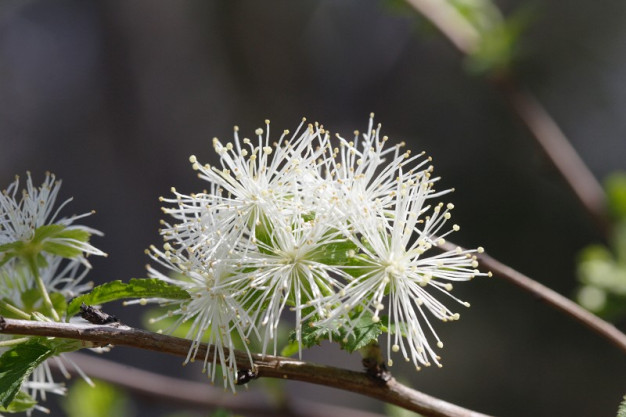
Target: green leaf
{"x": 621, "y": 411}
{"x": 102, "y": 401}
{"x": 17, "y": 363}
{"x": 21, "y": 402}
{"x": 364, "y": 332}
{"x": 135, "y": 288}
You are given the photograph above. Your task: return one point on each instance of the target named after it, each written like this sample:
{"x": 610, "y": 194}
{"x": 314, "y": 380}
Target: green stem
{"x": 10, "y": 307}
{"x": 42, "y": 288}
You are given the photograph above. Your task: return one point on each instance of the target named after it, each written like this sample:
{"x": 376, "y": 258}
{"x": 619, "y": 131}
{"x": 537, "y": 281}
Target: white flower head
{"x": 393, "y": 255}
{"x": 213, "y": 311}
{"x": 61, "y": 276}
{"x": 294, "y": 267}
{"x": 255, "y": 177}
{"x": 23, "y": 214}
{"x": 365, "y": 171}
{"x": 332, "y": 233}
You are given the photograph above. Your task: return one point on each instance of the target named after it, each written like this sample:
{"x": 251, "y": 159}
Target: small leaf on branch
{"x": 364, "y": 332}
{"x": 135, "y": 288}
{"x": 16, "y": 365}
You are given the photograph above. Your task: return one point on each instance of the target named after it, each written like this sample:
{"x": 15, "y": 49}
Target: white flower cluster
{"x": 330, "y": 228}
{"x": 30, "y": 227}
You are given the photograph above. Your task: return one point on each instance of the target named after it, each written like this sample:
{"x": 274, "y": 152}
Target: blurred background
{"x": 113, "y": 97}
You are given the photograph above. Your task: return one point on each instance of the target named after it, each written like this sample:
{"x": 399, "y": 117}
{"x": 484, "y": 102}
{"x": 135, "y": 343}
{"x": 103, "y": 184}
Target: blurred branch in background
{"x": 201, "y": 395}
{"x": 478, "y": 30}
{"x": 390, "y": 391}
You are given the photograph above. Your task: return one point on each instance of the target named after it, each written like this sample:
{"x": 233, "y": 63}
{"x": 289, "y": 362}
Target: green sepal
{"x": 135, "y": 288}
{"x": 21, "y": 402}
{"x": 9, "y": 251}
{"x": 336, "y": 253}
{"x": 47, "y": 231}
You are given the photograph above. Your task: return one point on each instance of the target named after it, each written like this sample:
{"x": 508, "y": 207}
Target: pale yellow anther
{"x": 440, "y": 344}
{"x": 395, "y": 348}
{"x": 258, "y": 132}
{"x": 193, "y": 159}
{"x": 456, "y": 227}
{"x": 480, "y": 249}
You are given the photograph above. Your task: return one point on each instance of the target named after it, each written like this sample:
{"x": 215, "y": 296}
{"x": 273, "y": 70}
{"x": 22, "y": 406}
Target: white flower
{"x": 22, "y": 215}
{"x": 213, "y": 311}
{"x": 255, "y": 177}
{"x": 364, "y": 173}
{"x": 393, "y": 261}
{"x": 298, "y": 263}
{"x": 59, "y": 276}
{"x": 41, "y": 254}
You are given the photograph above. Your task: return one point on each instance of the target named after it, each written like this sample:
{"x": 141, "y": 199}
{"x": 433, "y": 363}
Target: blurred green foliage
{"x": 104, "y": 400}
{"x": 602, "y": 269}
{"x": 621, "y": 411}
{"x": 498, "y": 43}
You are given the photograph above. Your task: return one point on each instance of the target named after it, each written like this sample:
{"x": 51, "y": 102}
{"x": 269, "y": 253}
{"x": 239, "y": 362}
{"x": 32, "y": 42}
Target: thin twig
{"x": 558, "y": 150}
{"x": 199, "y": 394}
{"x": 555, "y": 300}
{"x": 266, "y": 366}
{"x": 548, "y": 296}
{"x": 546, "y": 132}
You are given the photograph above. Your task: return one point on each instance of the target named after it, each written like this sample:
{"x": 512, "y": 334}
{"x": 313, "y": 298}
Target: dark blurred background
{"x": 113, "y": 96}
